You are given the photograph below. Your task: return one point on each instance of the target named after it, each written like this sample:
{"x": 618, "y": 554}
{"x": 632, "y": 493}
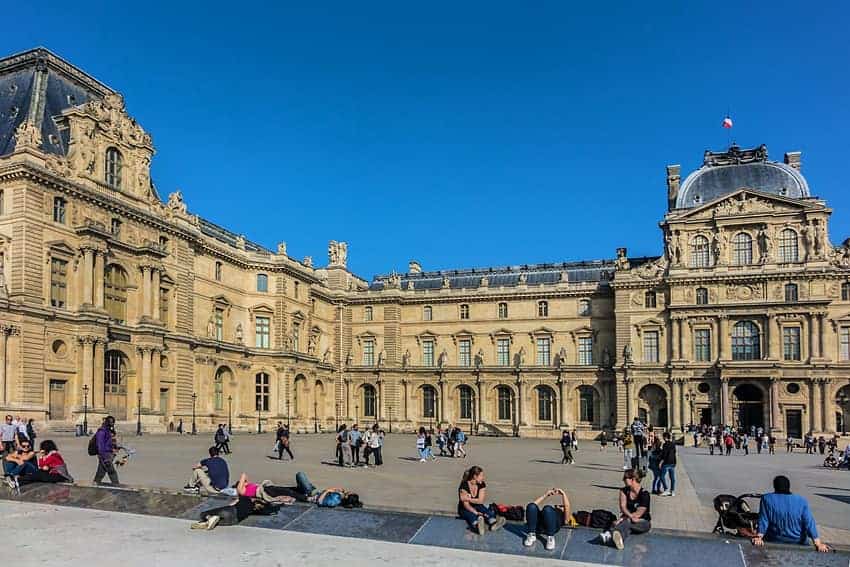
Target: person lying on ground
{"x": 634, "y": 511}
{"x": 550, "y": 517}
{"x": 210, "y": 476}
{"x": 785, "y": 517}
{"x": 245, "y": 504}
{"x": 472, "y": 493}
{"x": 328, "y": 498}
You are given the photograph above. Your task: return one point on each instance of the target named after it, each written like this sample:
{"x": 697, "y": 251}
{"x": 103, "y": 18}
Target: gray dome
{"x": 718, "y": 177}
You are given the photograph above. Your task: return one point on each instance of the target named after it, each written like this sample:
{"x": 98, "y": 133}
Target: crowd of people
{"x": 22, "y": 463}
{"x": 351, "y": 444}
{"x": 451, "y": 442}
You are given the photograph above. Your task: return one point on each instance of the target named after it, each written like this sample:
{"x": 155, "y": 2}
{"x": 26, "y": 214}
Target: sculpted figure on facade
{"x": 281, "y": 248}
{"x": 627, "y": 354}
{"x": 349, "y": 359}
{"x": 405, "y": 359}
{"x": 381, "y": 359}
{"x": 441, "y": 360}
{"x": 622, "y": 262}
{"x": 211, "y": 327}
{"x": 719, "y": 244}
{"x": 446, "y": 282}
{"x": 337, "y": 253}
{"x": 176, "y": 203}
{"x": 606, "y": 358}
{"x": 561, "y": 359}
{"x": 479, "y": 359}
{"x": 808, "y": 235}
{"x": 308, "y": 261}
{"x": 821, "y": 239}
{"x": 764, "y": 244}
{"x": 394, "y": 281}
{"x": 519, "y": 357}
{"x": 239, "y": 333}
{"x": 326, "y": 357}
{"x": 313, "y": 342}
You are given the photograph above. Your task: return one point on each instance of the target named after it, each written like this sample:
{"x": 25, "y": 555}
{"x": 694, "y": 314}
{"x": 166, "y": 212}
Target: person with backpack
{"x": 566, "y": 448}
{"x": 220, "y": 438}
{"x": 639, "y": 435}
{"x": 103, "y": 446}
{"x": 667, "y": 461}
{"x": 356, "y": 440}
{"x": 634, "y": 512}
{"x": 730, "y": 442}
{"x": 551, "y": 518}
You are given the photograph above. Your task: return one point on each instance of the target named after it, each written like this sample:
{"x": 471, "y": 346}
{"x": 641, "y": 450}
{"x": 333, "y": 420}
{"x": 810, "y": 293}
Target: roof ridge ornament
{"x": 735, "y": 156}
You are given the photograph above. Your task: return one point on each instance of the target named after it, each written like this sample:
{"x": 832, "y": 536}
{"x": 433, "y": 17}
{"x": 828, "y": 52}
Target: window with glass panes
{"x": 585, "y": 351}
{"x": 370, "y": 399}
{"x": 650, "y": 346}
{"x": 585, "y": 403}
{"x": 649, "y": 299}
{"x": 504, "y": 398}
{"x": 543, "y": 351}
{"x": 218, "y": 271}
{"x": 503, "y": 351}
{"x": 746, "y": 342}
{"x": 702, "y": 296}
{"x": 116, "y": 227}
{"x": 844, "y": 343}
{"x": 742, "y": 246}
{"x": 542, "y": 308}
{"x": 163, "y": 304}
{"x": 368, "y": 352}
{"x": 464, "y": 351}
{"x": 464, "y": 311}
{"x": 219, "y": 324}
{"x": 702, "y": 345}
{"x": 262, "y": 391}
{"x": 788, "y": 246}
{"x": 845, "y": 291}
{"x": 466, "y": 398}
{"x": 218, "y": 389}
{"x": 262, "y": 332}
{"x": 114, "y": 166}
{"x": 584, "y": 307}
{"x": 59, "y": 210}
{"x": 791, "y": 343}
{"x": 427, "y": 313}
{"x": 503, "y": 311}
{"x": 428, "y": 352}
{"x": 545, "y": 401}
{"x": 700, "y": 256}
{"x": 58, "y": 282}
{"x": 790, "y": 292}
{"x": 367, "y": 313}
{"x": 262, "y": 283}
{"x": 429, "y": 401}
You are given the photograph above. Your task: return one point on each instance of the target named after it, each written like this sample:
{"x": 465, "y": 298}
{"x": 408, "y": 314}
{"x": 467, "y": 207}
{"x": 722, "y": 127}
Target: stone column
{"x": 480, "y": 397}
{"x": 146, "y": 291}
{"x": 829, "y": 344}
{"x": 146, "y": 381}
{"x": 686, "y": 351}
{"x": 520, "y": 415}
{"x": 683, "y": 414}
{"x": 775, "y": 334}
{"x": 380, "y": 403}
{"x": 722, "y": 336}
{"x": 562, "y": 413}
{"x": 442, "y": 413}
{"x": 775, "y": 421}
{"x": 828, "y": 411}
{"x": 821, "y": 334}
{"x": 404, "y": 399}
{"x": 725, "y": 410}
{"x": 155, "y": 294}
{"x": 675, "y": 408}
{"x": 88, "y": 273}
{"x": 88, "y": 361}
{"x": 814, "y": 336}
{"x": 155, "y": 386}
{"x": 98, "y": 392}
{"x": 98, "y": 277}
{"x": 630, "y": 400}
{"x": 676, "y": 338}
{"x": 5, "y": 331}
{"x": 817, "y": 405}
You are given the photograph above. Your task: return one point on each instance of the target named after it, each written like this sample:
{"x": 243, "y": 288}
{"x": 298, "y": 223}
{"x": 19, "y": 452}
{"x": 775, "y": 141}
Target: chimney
{"x": 672, "y": 185}
{"x": 793, "y": 159}
{"x": 414, "y": 267}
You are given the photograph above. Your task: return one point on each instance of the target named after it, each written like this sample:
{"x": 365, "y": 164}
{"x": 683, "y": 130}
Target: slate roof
{"x": 37, "y": 85}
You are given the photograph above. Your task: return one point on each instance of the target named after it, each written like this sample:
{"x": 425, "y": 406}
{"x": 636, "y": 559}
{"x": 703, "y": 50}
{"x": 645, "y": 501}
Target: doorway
{"x": 57, "y": 400}
{"x": 749, "y": 402}
{"x": 705, "y": 416}
{"x": 163, "y": 401}
{"x": 794, "y": 423}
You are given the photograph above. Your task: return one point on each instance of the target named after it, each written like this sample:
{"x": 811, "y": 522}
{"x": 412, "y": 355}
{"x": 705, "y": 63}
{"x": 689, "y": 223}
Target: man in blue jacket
{"x": 786, "y": 518}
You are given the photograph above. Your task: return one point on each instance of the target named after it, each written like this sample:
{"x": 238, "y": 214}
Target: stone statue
{"x": 405, "y": 359}
{"x": 326, "y": 358}
{"x": 523, "y": 278}
{"x": 446, "y": 282}
{"x": 627, "y": 354}
{"x": 519, "y": 357}
{"x": 211, "y": 327}
{"x": 606, "y": 358}
{"x": 381, "y": 359}
{"x": 349, "y": 359}
{"x": 622, "y": 262}
{"x": 394, "y": 281}
{"x": 821, "y": 241}
{"x": 176, "y": 203}
{"x": 479, "y": 359}
{"x": 308, "y": 261}
{"x": 442, "y": 359}
{"x": 764, "y": 242}
{"x": 808, "y": 240}
{"x": 561, "y": 359}
{"x": 281, "y": 248}
{"x": 312, "y": 343}
{"x": 240, "y": 242}
{"x": 337, "y": 253}
{"x": 239, "y": 334}
{"x": 718, "y": 247}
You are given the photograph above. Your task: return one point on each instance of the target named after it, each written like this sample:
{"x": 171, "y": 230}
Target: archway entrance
{"x": 749, "y": 403}
{"x": 653, "y": 401}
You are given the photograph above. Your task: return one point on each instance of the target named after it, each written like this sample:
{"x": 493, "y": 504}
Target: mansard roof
{"x": 726, "y": 172}
{"x": 508, "y": 276}
{"x": 36, "y": 86}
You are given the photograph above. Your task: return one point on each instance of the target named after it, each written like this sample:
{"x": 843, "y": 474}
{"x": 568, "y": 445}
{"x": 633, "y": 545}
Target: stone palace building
{"x": 115, "y": 300}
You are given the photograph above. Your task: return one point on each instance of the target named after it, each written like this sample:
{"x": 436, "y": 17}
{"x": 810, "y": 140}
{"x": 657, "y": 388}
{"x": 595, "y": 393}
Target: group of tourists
{"x": 22, "y": 463}
{"x": 451, "y": 441}
{"x": 569, "y": 443}
{"x": 351, "y": 444}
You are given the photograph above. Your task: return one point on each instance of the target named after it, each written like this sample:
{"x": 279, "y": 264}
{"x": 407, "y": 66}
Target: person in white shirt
{"x": 8, "y": 435}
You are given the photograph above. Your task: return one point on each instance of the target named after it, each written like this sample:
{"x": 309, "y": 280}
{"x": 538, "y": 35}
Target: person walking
{"x": 730, "y": 442}
{"x": 429, "y": 452}
{"x": 220, "y": 439}
{"x": 745, "y": 443}
{"x": 376, "y": 445}
{"x": 566, "y": 448}
{"x": 441, "y": 441}
{"x": 639, "y": 436}
{"x": 105, "y": 443}
{"x": 603, "y": 441}
{"x": 628, "y": 450}
{"x": 655, "y": 466}
{"x": 668, "y": 465}
{"x": 460, "y": 443}
{"x": 771, "y": 444}
{"x": 282, "y": 435}
{"x": 420, "y": 445}
{"x": 356, "y": 440}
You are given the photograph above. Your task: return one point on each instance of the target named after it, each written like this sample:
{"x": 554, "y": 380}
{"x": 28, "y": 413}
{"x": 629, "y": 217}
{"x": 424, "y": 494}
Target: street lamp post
{"x": 390, "y": 416}
{"x": 230, "y": 415}
{"x": 288, "y": 422}
{"x": 194, "y": 426}
{"x": 842, "y": 401}
{"x": 86, "y": 410}
{"x": 139, "y": 412}
{"x": 315, "y": 416}
{"x": 259, "y": 419}
{"x": 690, "y": 397}
{"x": 336, "y": 418}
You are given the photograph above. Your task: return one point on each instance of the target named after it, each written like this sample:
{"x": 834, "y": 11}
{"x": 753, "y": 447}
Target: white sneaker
{"x": 617, "y": 538}
{"x": 605, "y": 537}
{"x": 550, "y": 543}
{"x": 530, "y": 539}
{"x": 422, "y": 460}
{"x": 212, "y": 522}
{"x": 672, "y": 494}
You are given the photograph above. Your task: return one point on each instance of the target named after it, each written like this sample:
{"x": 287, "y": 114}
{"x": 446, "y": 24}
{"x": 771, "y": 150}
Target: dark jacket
{"x": 668, "y": 453}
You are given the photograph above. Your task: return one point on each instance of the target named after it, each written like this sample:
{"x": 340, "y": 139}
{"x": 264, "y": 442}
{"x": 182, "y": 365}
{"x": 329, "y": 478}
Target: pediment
{"x": 222, "y": 300}
{"x": 298, "y": 315}
{"x": 541, "y": 331}
{"x": 745, "y": 202}
{"x": 262, "y": 308}
{"x": 583, "y": 330}
{"x": 60, "y": 247}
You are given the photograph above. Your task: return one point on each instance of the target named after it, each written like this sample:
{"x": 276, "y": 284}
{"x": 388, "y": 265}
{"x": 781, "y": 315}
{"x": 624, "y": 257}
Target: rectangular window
{"x": 503, "y": 352}
{"x": 585, "y": 351}
{"x": 262, "y": 332}
{"x": 464, "y": 311}
{"x": 262, "y": 283}
{"x": 702, "y": 345}
{"x": 116, "y": 227}
{"x": 368, "y": 352}
{"x": 296, "y": 336}
{"x": 791, "y": 343}
{"x": 844, "y": 343}
{"x": 163, "y": 305}
{"x": 650, "y": 346}
{"x": 219, "y": 324}
{"x": 465, "y": 352}
{"x": 428, "y": 353}
{"x": 58, "y": 282}
{"x": 503, "y": 311}
{"x": 543, "y": 351}
{"x": 59, "y": 210}
{"x": 218, "y": 271}
{"x": 262, "y": 391}
{"x": 367, "y": 314}
{"x": 427, "y": 313}
{"x": 296, "y": 289}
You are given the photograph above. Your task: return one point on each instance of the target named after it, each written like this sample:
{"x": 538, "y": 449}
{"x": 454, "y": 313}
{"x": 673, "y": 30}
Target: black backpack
{"x": 602, "y": 519}
{"x": 93, "y": 446}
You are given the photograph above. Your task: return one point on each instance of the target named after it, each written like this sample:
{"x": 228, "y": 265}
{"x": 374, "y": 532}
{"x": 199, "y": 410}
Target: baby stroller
{"x": 735, "y": 516}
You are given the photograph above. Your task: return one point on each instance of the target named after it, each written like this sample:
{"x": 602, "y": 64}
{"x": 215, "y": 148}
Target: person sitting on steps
{"x": 550, "y": 517}
{"x": 209, "y": 476}
{"x": 472, "y": 493}
{"x": 786, "y": 518}
{"x": 634, "y": 511}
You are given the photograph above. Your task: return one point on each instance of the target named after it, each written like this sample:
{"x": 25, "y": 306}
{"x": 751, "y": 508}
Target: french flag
{"x": 727, "y": 122}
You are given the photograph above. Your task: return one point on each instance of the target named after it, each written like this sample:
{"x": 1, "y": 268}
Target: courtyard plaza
{"x": 518, "y": 471}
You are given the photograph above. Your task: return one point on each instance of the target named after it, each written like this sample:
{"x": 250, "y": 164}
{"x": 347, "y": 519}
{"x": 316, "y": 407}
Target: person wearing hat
{"x": 786, "y": 518}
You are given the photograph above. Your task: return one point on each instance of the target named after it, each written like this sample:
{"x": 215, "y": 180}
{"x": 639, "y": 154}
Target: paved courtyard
{"x": 518, "y": 470}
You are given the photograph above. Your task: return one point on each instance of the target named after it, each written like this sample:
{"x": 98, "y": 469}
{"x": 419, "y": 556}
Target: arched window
{"x": 545, "y": 403}
{"x": 791, "y": 292}
{"x": 429, "y": 401}
{"x": 464, "y": 311}
{"x": 262, "y": 391}
{"x": 222, "y": 375}
{"x": 702, "y": 296}
{"x": 370, "y": 405}
{"x": 742, "y": 245}
{"x": 650, "y": 300}
{"x": 788, "y": 248}
{"x": 746, "y": 343}
{"x": 115, "y": 292}
{"x": 114, "y": 373}
{"x": 700, "y": 257}
{"x": 427, "y": 313}
{"x": 367, "y": 313}
{"x": 585, "y": 403}
{"x": 466, "y": 397}
{"x": 114, "y": 165}
{"x": 503, "y": 310}
{"x": 505, "y": 399}
{"x": 262, "y": 283}
{"x": 542, "y": 308}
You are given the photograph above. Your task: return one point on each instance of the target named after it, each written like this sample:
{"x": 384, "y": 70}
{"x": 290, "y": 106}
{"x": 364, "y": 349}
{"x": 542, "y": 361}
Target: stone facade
{"x": 114, "y": 300}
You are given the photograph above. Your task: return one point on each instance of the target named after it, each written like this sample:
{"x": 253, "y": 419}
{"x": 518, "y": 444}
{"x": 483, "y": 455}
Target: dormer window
{"x": 542, "y": 308}
{"x": 464, "y": 311}
{"x": 367, "y": 313}
{"x": 262, "y": 283}
{"x": 114, "y": 165}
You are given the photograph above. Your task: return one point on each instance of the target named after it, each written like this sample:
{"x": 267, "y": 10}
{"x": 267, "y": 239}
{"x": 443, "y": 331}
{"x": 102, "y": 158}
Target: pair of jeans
{"x": 548, "y": 517}
{"x": 627, "y": 458}
{"x": 628, "y": 527}
{"x": 14, "y": 469}
{"x": 668, "y": 470}
{"x": 657, "y": 480}
{"x": 568, "y": 454}
{"x": 423, "y": 453}
{"x": 303, "y": 484}
{"x": 472, "y": 518}
{"x": 355, "y": 453}
{"x": 345, "y": 454}
{"x": 376, "y": 451}
{"x": 281, "y": 448}
{"x": 105, "y": 467}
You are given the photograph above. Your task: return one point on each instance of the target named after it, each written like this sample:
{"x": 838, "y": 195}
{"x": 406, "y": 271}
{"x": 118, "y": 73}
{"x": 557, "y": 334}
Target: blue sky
{"x": 459, "y": 134}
